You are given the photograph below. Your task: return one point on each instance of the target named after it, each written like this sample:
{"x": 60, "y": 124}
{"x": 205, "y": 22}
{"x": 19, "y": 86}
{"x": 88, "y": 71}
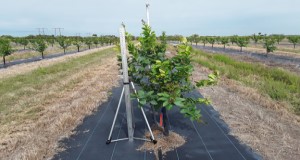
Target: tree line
{"x": 269, "y": 41}
{"x": 40, "y": 43}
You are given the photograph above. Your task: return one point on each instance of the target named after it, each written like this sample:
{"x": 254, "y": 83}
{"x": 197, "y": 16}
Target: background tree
{"x": 269, "y": 44}
{"x": 51, "y": 41}
{"x": 5, "y": 49}
{"x": 78, "y": 43}
{"x": 64, "y": 43}
{"x": 195, "y": 38}
{"x": 242, "y": 42}
{"x": 294, "y": 40}
{"x": 88, "y": 41}
{"x": 224, "y": 41}
{"x": 24, "y": 42}
{"x": 256, "y": 38}
{"x": 278, "y": 38}
{"x": 96, "y": 41}
{"x": 39, "y": 45}
{"x": 190, "y": 39}
{"x": 212, "y": 41}
{"x": 233, "y": 39}
{"x": 204, "y": 40}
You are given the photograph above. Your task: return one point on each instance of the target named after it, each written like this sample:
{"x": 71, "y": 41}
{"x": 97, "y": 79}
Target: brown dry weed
{"x": 256, "y": 120}
{"x": 62, "y": 107}
{"x": 165, "y": 143}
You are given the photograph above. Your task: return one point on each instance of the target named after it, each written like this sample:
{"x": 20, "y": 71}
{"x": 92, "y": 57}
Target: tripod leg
{"x": 152, "y": 136}
{"x": 115, "y": 118}
{"x": 143, "y": 112}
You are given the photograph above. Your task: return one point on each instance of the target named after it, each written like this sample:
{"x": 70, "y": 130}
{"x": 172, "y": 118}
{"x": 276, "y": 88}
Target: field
{"x": 44, "y": 102}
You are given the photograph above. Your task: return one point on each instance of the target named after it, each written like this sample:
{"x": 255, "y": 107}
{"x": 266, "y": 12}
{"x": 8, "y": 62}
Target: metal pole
{"x": 147, "y": 12}
{"x": 126, "y": 84}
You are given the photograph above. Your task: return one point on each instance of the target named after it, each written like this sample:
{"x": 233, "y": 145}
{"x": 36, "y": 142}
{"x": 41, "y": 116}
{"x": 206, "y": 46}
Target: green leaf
{"x": 179, "y": 103}
{"x": 153, "y": 102}
{"x": 165, "y": 103}
{"x": 143, "y": 102}
{"x": 169, "y": 106}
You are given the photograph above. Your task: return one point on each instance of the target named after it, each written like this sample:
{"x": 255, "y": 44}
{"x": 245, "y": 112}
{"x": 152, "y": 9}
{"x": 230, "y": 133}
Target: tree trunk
{"x": 204, "y": 44}
{"x": 154, "y": 115}
{"x": 294, "y": 45}
{"x": 42, "y": 55}
{"x": 196, "y": 43}
{"x": 241, "y": 50}
{"x": 4, "y": 60}
{"x": 89, "y": 46}
{"x": 64, "y": 51}
{"x": 24, "y": 47}
{"x": 212, "y": 45}
{"x": 165, "y": 121}
{"x": 224, "y": 46}
{"x": 77, "y": 48}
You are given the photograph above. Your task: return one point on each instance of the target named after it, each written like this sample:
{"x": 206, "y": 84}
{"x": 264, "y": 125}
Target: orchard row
{"x": 40, "y": 43}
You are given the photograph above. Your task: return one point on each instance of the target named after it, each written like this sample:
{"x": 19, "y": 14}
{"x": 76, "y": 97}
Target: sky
{"x": 184, "y": 17}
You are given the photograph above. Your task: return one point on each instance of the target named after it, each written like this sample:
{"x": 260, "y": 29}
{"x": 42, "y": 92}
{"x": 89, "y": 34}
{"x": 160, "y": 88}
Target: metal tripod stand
{"x": 126, "y": 93}
{"x": 109, "y": 140}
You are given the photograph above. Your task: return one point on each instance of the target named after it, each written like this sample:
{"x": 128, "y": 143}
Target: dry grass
{"x": 263, "y": 124}
{"x": 165, "y": 143}
{"x": 27, "y": 67}
{"x": 56, "y": 110}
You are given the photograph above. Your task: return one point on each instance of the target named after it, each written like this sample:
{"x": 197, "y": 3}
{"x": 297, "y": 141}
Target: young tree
{"x": 5, "y": 49}
{"x": 224, "y": 41}
{"x": 96, "y": 41}
{"x": 278, "y": 38}
{"x": 167, "y": 81}
{"x": 242, "y": 42}
{"x": 39, "y": 45}
{"x": 88, "y": 41}
{"x": 64, "y": 43}
{"x": 78, "y": 43}
{"x": 294, "y": 40}
{"x": 24, "y": 42}
{"x": 195, "y": 38}
{"x": 190, "y": 39}
{"x": 269, "y": 44}
{"x": 233, "y": 39}
{"x": 204, "y": 40}
{"x": 51, "y": 41}
{"x": 256, "y": 38}
{"x": 212, "y": 41}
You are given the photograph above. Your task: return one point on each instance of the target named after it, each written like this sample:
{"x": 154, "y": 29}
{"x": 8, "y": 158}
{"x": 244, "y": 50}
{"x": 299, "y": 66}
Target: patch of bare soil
{"x": 62, "y": 107}
{"x": 264, "y": 125}
{"x": 164, "y": 143}
{"x": 289, "y": 67}
{"x": 27, "y": 67}
{"x": 262, "y": 50}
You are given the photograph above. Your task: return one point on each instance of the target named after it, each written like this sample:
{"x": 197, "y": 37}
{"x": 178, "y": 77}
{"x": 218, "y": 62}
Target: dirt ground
{"x": 64, "y": 107}
{"x": 257, "y": 121}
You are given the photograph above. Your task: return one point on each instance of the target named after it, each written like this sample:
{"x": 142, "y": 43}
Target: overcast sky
{"x": 204, "y": 17}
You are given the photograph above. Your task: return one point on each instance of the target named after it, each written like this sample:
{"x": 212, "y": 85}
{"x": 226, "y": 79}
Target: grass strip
{"x": 278, "y": 84}
{"x": 13, "y": 89}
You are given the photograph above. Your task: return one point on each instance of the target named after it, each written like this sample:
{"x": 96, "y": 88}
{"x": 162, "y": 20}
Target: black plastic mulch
{"x": 205, "y": 141}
